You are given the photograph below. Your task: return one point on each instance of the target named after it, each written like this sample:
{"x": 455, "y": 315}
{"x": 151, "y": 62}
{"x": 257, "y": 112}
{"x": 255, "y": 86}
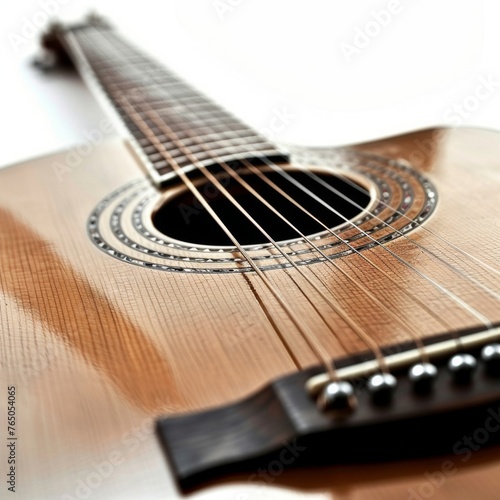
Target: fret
{"x": 130, "y": 80}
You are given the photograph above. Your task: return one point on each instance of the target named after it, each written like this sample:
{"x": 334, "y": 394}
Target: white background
{"x": 346, "y": 70}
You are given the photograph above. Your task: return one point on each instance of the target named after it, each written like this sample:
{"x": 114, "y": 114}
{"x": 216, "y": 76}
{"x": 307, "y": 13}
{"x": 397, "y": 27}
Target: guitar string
{"x": 362, "y": 333}
{"x": 471, "y": 310}
{"x": 190, "y": 153}
{"x": 415, "y": 333}
{"x": 480, "y": 262}
{"x": 367, "y": 340}
{"x": 446, "y": 324}
{"x": 352, "y": 324}
{"x": 233, "y": 173}
{"x": 478, "y": 315}
{"x": 422, "y": 247}
{"x": 352, "y": 248}
{"x": 450, "y": 266}
{"x": 301, "y": 326}
{"x": 457, "y": 299}
{"x": 168, "y": 131}
{"x": 318, "y": 350}
{"x": 116, "y": 40}
{"x": 335, "y": 307}
{"x": 453, "y": 331}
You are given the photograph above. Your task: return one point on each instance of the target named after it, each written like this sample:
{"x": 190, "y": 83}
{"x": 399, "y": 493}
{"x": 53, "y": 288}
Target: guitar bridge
{"x": 283, "y": 425}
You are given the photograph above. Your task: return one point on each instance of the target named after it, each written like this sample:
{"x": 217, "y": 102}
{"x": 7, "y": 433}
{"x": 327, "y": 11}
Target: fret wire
{"x": 223, "y": 132}
{"x": 204, "y": 101}
{"x": 177, "y": 81}
{"x": 346, "y": 318}
{"x": 478, "y": 316}
{"x": 302, "y": 327}
{"x": 332, "y": 303}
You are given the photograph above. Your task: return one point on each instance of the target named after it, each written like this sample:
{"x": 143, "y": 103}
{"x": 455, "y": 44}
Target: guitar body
{"x": 98, "y": 348}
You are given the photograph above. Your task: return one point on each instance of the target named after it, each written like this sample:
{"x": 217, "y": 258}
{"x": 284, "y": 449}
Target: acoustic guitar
{"x": 196, "y": 312}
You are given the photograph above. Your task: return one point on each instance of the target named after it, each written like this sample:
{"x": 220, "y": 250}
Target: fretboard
{"x": 156, "y": 107}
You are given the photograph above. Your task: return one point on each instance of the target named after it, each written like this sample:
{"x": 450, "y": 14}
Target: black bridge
{"x": 282, "y": 421}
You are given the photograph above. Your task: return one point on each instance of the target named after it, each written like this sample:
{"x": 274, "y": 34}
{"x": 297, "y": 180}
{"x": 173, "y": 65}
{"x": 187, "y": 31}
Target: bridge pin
{"x": 382, "y": 386}
{"x": 338, "y": 397}
{"x": 423, "y": 376}
{"x": 490, "y": 355}
{"x": 462, "y": 367}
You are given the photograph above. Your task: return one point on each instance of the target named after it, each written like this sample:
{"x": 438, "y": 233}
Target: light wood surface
{"x": 97, "y": 348}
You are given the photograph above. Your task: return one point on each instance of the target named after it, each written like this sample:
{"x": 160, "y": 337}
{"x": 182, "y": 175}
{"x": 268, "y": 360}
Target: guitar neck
{"x": 155, "y": 107}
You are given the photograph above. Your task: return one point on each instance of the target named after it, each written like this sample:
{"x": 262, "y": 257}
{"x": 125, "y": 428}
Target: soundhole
{"x": 183, "y": 218}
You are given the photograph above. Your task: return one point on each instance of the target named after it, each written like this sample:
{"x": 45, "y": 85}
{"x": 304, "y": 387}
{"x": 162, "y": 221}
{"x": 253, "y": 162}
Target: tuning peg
{"x": 45, "y": 60}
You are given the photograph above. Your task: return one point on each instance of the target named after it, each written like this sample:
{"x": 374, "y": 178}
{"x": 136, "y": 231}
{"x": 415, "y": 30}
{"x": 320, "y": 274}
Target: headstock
{"x": 54, "y": 53}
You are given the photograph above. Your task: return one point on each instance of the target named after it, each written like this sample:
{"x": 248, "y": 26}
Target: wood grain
{"x": 97, "y": 348}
